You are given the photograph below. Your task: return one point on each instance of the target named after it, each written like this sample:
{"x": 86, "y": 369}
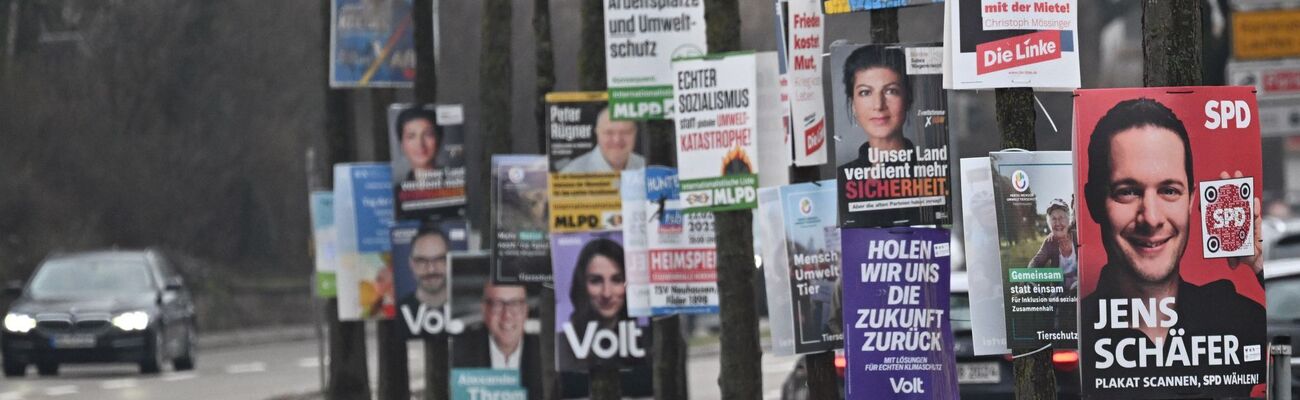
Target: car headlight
{"x": 132, "y": 321}
{"x": 19, "y": 323}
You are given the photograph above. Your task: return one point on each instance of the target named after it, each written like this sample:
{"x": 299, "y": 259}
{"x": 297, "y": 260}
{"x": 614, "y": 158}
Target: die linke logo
{"x": 814, "y": 137}
{"x": 1018, "y": 51}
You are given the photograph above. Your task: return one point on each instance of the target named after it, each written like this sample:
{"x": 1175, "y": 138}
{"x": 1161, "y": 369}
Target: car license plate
{"x": 74, "y": 341}
{"x": 982, "y": 372}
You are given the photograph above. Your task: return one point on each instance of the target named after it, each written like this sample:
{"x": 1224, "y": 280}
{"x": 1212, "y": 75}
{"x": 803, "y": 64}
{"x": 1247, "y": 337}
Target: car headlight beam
{"x": 132, "y": 321}
{"x": 19, "y": 323}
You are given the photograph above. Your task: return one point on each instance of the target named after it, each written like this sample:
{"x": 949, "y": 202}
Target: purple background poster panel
{"x": 898, "y": 340}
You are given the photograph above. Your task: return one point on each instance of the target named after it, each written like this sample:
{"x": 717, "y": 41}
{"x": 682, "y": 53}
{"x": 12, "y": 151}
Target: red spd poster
{"x": 1172, "y": 303}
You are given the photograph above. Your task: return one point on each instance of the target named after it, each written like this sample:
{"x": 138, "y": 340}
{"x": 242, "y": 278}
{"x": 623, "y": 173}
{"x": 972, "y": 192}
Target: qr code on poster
{"x": 1227, "y": 218}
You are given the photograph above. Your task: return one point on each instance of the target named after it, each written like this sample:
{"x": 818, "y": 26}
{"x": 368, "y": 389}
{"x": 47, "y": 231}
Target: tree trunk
{"x": 669, "y": 347}
{"x": 436, "y": 355}
{"x": 495, "y": 80}
{"x": 394, "y": 374}
{"x": 1171, "y": 42}
{"x": 1035, "y": 377}
{"x": 349, "y": 375}
{"x": 591, "y": 56}
{"x": 545, "y": 64}
{"x": 741, "y": 371}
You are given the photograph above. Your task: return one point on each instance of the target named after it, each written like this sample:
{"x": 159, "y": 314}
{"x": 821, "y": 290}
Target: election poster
{"x": 372, "y": 44}
{"x": 1034, "y": 197}
{"x": 427, "y": 146}
{"x": 682, "y": 250}
{"x": 772, "y": 121}
{"x": 592, "y": 326}
{"x": 635, "y": 245}
{"x": 495, "y": 346}
{"x": 846, "y": 6}
{"x": 983, "y": 262}
{"x": 521, "y": 250}
{"x": 898, "y": 339}
{"x": 363, "y": 216}
{"x": 324, "y": 243}
{"x": 641, "y": 39}
{"x": 1014, "y": 43}
{"x": 717, "y": 152}
{"x": 807, "y": 107}
{"x": 587, "y": 151}
{"x": 1265, "y": 34}
{"x": 892, "y": 130}
{"x": 771, "y": 250}
{"x": 420, "y": 275}
{"x": 1277, "y": 89}
{"x": 1170, "y": 272}
{"x": 812, "y": 241}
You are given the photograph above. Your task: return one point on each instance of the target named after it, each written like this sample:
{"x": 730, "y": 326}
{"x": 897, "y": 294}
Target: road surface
{"x": 269, "y": 370}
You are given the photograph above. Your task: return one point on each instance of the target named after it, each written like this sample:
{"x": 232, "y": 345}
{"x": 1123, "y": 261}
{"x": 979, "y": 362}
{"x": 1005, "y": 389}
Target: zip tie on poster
{"x": 1049, "y": 116}
{"x": 1032, "y": 352}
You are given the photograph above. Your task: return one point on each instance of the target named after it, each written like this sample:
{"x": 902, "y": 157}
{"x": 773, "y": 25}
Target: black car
{"x": 100, "y": 307}
{"x": 978, "y": 377}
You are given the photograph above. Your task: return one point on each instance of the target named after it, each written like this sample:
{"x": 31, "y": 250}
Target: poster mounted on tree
{"x": 807, "y": 106}
{"x": 324, "y": 243}
{"x": 592, "y": 326}
{"x": 1013, "y": 43}
{"x": 1039, "y": 267}
{"x": 1170, "y": 270}
{"x": 812, "y": 241}
{"x": 846, "y": 6}
{"x": 495, "y": 347}
{"x": 898, "y": 339}
{"x": 587, "y": 151}
{"x": 891, "y": 123}
{"x": 635, "y": 241}
{"x": 420, "y": 274}
{"x": 717, "y": 151}
{"x": 776, "y": 268}
{"x": 682, "y": 250}
{"x": 983, "y": 262}
{"x": 427, "y": 146}
{"x": 363, "y": 216}
{"x": 521, "y": 247}
{"x": 641, "y": 40}
{"x": 372, "y": 44}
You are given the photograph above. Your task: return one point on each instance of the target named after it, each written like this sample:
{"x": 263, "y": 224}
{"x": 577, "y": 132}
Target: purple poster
{"x": 591, "y": 321}
{"x": 898, "y": 340}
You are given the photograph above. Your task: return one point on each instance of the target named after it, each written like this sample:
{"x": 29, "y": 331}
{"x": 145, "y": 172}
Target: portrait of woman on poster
{"x": 420, "y": 141}
{"x": 879, "y": 96}
{"x": 598, "y": 294}
{"x": 1059, "y": 249}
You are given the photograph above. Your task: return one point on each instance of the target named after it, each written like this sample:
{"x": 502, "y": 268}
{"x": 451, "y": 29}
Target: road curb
{"x": 226, "y": 339}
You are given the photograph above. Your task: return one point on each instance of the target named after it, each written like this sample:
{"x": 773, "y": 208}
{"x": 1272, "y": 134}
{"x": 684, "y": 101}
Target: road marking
{"x": 14, "y": 395}
{"x": 61, "y": 390}
{"x": 309, "y": 362}
{"x": 246, "y": 368}
{"x": 118, "y": 384}
{"x": 774, "y": 394}
{"x": 179, "y": 377}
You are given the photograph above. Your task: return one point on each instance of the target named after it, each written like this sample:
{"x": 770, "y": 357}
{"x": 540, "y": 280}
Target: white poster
{"x": 1056, "y": 15}
{"x": 632, "y": 188}
{"x": 1001, "y": 57}
{"x": 807, "y": 107}
{"x": 983, "y": 265}
{"x": 773, "y": 134}
{"x": 716, "y": 115}
{"x": 1277, "y": 87}
{"x": 641, "y": 40}
{"x": 769, "y": 222}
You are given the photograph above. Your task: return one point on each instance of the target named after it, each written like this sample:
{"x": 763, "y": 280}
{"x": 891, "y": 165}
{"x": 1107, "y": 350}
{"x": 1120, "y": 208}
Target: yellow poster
{"x": 1266, "y": 34}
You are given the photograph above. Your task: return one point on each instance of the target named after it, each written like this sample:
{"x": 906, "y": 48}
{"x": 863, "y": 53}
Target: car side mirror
{"x": 13, "y": 288}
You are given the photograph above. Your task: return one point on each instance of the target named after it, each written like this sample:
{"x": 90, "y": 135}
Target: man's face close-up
{"x": 429, "y": 263}
{"x": 1148, "y": 203}
{"x": 616, "y": 139}
{"x": 505, "y": 309}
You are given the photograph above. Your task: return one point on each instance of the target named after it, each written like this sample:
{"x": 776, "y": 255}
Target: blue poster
{"x": 372, "y": 195}
{"x": 372, "y": 44}
{"x": 899, "y": 340}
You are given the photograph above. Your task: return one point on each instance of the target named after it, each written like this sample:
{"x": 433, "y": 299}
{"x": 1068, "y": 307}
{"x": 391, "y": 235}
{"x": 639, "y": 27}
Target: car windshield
{"x": 959, "y": 311}
{"x": 1283, "y": 294}
{"x": 90, "y": 278}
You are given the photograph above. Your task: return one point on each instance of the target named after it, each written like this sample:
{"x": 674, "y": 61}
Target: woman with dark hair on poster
{"x": 599, "y": 285}
{"x": 420, "y": 140}
{"x": 879, "y": 95}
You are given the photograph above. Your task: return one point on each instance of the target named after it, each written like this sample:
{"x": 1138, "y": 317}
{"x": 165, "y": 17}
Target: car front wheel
{"x": 153, "y": 358}
{"x": 47, "y": 369}
{"x": 185, "y": 361}
{"x": 15, "y": 369}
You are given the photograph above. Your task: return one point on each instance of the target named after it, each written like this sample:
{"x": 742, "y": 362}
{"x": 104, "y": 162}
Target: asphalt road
{"x": 276, "y": 369}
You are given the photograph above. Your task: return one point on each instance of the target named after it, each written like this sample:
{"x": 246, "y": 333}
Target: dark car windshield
{"x": 90, "y": 278}
{"x": 1283, "y": 294}
{"x": 959, "y": 311}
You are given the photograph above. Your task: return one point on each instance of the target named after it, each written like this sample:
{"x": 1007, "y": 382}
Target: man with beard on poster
{"x": 1140, "y": 191}
{"x": 428, "y": 263}
{"x": 500, "y": 343}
